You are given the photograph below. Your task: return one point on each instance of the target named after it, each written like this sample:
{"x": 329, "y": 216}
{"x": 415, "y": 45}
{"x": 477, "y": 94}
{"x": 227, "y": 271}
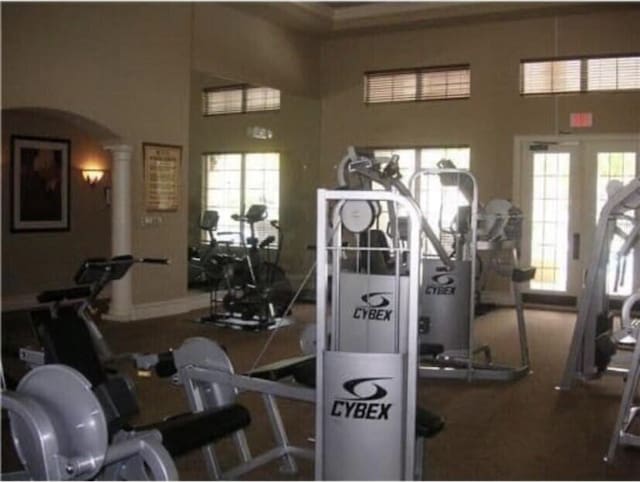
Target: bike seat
{"x": 256, "y": 213}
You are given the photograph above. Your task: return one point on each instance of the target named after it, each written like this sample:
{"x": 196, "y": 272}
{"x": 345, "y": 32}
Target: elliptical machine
{"x": 257, "y": 291}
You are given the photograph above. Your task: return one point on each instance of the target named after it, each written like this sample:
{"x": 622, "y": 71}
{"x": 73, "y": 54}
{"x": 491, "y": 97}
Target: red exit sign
{"x": 581, "y": 119}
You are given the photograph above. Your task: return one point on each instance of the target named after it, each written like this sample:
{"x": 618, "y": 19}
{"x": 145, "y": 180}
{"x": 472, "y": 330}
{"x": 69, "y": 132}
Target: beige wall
{"x": 495, "y": 113}
{"x": 32, "y": 262}
{"x": 231, "y": 43}
{"x": 128, "y": 67}
{"x": 296, "y": 136}
{"x": 125, "y": 66}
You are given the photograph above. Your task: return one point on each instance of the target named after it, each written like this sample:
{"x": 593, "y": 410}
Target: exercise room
{"x": 320, "y": 240}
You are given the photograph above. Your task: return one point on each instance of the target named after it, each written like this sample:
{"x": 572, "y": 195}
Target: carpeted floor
{"x": 495, "y": 431}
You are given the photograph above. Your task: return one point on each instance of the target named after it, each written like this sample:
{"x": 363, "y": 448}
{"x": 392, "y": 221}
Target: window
{"x": 618, "y": 73}
{"x": 233, "y": 182}
{"x": 262, "y": 98}
{"x": 432, "y": 83}
{"x": 439, "y": 203}
{"x": 222, "y": 101}
{"x": 240, "y": 98}
{"x": 580, "y": 75}
{"x": 551, "y": 77}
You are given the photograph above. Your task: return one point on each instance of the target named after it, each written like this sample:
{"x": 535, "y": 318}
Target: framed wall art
{"x": 40, "y": 193}
{"x": 161, "y": 176}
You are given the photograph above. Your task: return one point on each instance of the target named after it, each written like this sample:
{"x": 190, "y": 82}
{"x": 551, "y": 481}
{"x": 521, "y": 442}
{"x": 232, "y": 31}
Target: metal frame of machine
{"x": 460, "y": 363}
{"x": 594, "y": 302}
{"x": 385, "y": 359}
{"x": 628, "y": 412}
{"x": 209, "y": 381}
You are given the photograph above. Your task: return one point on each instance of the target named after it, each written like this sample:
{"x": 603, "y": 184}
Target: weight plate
{"x": 357, "y": 216}
{"x": 74, "y": 411}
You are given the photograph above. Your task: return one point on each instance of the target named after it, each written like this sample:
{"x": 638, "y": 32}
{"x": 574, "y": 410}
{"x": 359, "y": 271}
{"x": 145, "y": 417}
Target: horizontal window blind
{"x": 398, "y": 87}
{"x": 234, "y": 100}
{"x": 262, "y": 98}
{"x": 551, "y": 77}
{"x": 446, "y": 84}
{"x": 586, "y": 74}
{"x": 222, "y": 101}
{"x": 432, "y": 83}
{"x": 618, "y": 73}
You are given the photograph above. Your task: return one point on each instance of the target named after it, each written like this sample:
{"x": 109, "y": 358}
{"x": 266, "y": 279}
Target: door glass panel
{"x": 550, "y": 220}
{"x": 620, "y": 166}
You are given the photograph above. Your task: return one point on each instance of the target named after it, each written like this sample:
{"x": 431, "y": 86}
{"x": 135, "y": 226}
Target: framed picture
{"x": 39, "y": 184}
{"x": 161, "y": 176}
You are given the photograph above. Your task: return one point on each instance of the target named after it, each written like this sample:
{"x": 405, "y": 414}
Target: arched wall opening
{"x": 33, "y": 261}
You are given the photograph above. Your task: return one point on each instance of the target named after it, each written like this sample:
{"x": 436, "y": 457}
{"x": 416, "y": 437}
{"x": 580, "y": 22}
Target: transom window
{"x": 619, "y": 73}
{"x": 234, "y": 181}
{"x": 238, "y": 99}
{"x": 422, "y": 84}
{"x": 552, "y": 76}
{"x": 589, "y": 74}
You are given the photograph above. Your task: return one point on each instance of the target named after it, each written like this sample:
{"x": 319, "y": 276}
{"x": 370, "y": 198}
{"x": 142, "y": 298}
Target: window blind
{"x": 616, "y": 73}
{"x": 222, "y": 101}
{"x": 551, "y": 77}
{"x": 431, "y": 83}
{"x": 586, "y": 74}
{"x": 262, "y": 98}
{"x": 238, "y": 99}
{"x": 393, "y": 87}
{"x": 446, "y": 84}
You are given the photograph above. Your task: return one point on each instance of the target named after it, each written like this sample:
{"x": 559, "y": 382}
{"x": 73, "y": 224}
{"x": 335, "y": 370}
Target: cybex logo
{"x": 362, "y": 404}
{"x": 375, "y": 307}
{"x": 442, "y": 283}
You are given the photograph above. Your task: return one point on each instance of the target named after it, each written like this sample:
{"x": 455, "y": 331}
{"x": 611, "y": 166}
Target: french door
{"x": 561, "y": 186}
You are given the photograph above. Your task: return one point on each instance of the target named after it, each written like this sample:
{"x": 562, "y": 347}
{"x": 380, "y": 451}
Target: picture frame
{"x": 162, "y": 164}
{"x": 40, "y": 194}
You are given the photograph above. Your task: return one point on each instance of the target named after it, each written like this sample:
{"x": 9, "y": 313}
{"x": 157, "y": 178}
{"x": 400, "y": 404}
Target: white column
{"x": 121, "y": 298}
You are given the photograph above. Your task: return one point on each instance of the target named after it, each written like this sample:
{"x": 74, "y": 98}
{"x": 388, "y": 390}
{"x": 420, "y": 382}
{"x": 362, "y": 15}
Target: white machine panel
{"x": 368, "y": 318}
{"x": 364, "y": 414}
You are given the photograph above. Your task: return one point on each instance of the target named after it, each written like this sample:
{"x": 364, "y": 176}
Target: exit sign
{"x": 581, "y": 119}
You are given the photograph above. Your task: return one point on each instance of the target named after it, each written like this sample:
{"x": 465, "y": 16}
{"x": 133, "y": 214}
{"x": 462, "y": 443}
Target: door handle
{"x": 576, "y": 246}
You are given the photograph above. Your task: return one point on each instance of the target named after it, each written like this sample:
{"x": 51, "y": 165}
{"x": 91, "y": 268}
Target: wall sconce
{"x": 92, "y": 176}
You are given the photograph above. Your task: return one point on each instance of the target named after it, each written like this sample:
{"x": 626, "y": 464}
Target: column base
{"x": 111, "y": 316}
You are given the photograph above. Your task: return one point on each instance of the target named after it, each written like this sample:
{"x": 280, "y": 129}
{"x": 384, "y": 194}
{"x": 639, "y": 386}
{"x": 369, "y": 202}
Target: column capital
{"x": 118, "y": 148}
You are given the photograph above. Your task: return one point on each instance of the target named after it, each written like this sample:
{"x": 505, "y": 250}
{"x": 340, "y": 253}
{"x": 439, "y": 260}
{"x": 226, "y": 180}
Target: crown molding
{"x": 322, "y": 19}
